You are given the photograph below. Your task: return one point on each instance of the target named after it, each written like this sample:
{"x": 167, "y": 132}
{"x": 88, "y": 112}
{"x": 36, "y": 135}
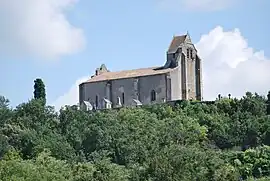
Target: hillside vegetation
{"x": 228, "y": 140}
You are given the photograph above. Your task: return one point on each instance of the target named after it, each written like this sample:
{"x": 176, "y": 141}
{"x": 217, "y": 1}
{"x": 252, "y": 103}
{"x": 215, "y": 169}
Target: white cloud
{"x": 38, "y": 27}
{"x": 71, "y": 97}
{"x": 229, "y": 66}
{"x": 195, "y": 5}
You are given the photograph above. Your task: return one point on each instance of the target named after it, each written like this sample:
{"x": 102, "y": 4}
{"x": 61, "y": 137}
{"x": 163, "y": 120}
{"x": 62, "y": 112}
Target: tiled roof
{"x": 128, "y": 74}
{"x": 177, "y": 40}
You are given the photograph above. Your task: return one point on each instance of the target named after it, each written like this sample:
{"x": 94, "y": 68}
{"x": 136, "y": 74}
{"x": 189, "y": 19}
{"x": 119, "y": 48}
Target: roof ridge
{"x": 134, "y": 69}
{"x": 128, "y": 74}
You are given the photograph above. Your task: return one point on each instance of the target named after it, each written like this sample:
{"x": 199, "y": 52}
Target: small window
{"x": 191, "y": 54}
{"x": 123, "y": 98}
{"x": 153, "y": 95}
{"x": 96, "y": 100}
{"x": 187, "y": 53}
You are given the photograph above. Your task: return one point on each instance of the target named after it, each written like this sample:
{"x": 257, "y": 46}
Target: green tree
{"x": 44, "y": 167}
{"x": 268, "y": 103}
{"x": 3, "y": 102}
{"x": 39, "y": 90}
{"x": 190, "y": 141}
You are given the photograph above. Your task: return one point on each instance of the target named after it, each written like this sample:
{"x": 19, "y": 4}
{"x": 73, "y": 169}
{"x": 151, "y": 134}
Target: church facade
{"x": 180, "y": 78}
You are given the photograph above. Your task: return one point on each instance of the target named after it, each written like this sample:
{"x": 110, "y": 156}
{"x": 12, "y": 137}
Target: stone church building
{"x": 180, "y": 78}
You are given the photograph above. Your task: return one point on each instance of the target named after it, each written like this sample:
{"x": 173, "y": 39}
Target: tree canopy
{"x": 225, "y": 140}
{"x": 3, "y": 102}
{"x": 268, "y": 103}
{"x": 39, "y": 89}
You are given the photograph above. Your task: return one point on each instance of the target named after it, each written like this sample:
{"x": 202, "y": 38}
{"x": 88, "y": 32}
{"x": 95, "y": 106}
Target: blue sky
{"x": 126, "y": 35}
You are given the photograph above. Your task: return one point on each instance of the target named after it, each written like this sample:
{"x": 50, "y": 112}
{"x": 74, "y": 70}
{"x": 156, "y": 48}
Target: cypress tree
{"x": 39, "y": 90}
{"x": 268, "y": 103}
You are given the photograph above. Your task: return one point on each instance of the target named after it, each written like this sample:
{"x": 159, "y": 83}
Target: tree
{"x": 5, "y": 112}
{"x": 223, "y": 140}
{"x": 3, "y": 102}
{"x": 268, "y": 103}
{"x": 39, "y": 90}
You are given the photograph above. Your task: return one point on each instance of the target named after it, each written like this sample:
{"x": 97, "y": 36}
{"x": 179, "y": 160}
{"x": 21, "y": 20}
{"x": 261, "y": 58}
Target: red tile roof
{"x": 128, "y": 74}
{"x": 177, "y": 40}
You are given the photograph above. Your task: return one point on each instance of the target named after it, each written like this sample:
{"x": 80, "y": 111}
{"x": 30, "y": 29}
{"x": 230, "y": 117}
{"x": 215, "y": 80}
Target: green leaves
{"x": 268, "y": 103}
{"x": 221, "y": 140}
{"x": 44, "y": 167}
{"x": 3, "y": 102}
{"x": 39, "y": 90}
{"x": 254, "y": 162}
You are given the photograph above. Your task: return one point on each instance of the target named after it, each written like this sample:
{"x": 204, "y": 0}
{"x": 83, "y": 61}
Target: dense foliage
{"x": 39, "y": 90}
{"x": 227, "y": 140}
{"x": 268, "y": 103}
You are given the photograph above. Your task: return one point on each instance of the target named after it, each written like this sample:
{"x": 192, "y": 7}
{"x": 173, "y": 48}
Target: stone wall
{"x": 191, "y": 71}
{"x": 186, "y": 79}
{"x": 184, "y": 82}
{"x": 94, "y": 93}
{"x": 149, "y": 83}
{"x": 127, "y": 89}
{"x": 176, "y": 90}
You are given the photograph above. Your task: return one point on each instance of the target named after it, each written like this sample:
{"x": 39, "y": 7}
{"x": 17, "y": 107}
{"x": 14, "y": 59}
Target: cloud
{"x": 195, "y": 5}
{"x": 38, "y": 28}
{"x": 229, "y": 66}
{"x": 71, "y": 97}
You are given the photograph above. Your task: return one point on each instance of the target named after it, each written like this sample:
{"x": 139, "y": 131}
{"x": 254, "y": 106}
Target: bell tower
{"x": 182, "y": 55}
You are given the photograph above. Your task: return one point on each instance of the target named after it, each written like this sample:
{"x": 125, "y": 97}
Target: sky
{"x": 64, "y": 41}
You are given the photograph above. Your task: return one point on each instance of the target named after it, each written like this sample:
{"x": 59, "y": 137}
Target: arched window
{"x": 153, "y": 95}
{"x": 96, "y": 100}
{"x": 123, "y": 98}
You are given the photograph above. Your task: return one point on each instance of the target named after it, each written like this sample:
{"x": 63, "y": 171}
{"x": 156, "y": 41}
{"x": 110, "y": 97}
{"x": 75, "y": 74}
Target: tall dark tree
{"x": 268, "y": 102}
{"x": 3, "y": 102}
{"x": 219, "y": 96}
{"x": 39, "y": 90}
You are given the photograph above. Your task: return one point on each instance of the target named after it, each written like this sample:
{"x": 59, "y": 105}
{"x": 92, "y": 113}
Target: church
{"x": 180, "y": 78}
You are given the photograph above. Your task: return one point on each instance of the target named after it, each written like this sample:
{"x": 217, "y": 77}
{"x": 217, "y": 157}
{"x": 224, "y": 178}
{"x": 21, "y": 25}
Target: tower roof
{"x": 177, "y": 40}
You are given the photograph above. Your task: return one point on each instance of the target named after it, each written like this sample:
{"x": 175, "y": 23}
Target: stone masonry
{"x": 180, "y": 78}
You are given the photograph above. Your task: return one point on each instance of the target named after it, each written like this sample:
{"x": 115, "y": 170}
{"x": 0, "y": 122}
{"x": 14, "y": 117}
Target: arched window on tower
{"x": 153, "y": 95}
